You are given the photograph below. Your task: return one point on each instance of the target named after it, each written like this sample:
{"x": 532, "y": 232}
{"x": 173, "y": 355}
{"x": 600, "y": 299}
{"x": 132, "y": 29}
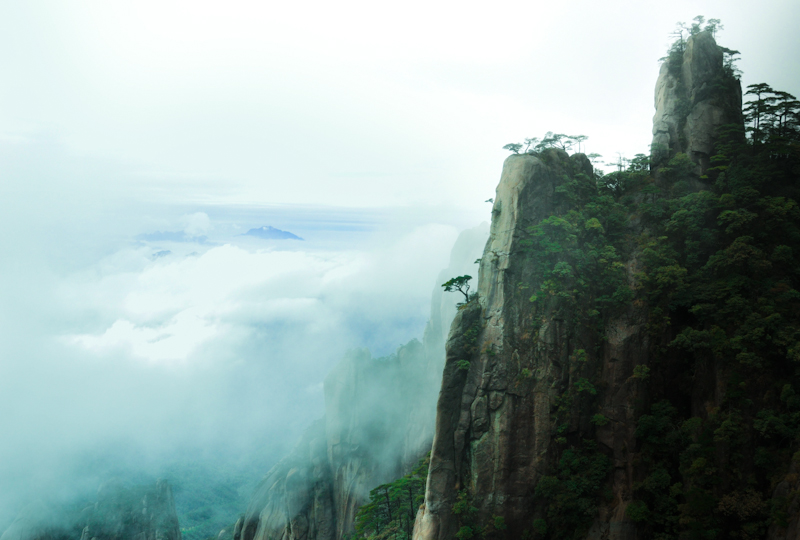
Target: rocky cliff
{"x": 695, "y": 95}
{"x": 616, "y": 376}
{"x": 379, "y": 420}
{"x": 119, "y": 513}
{"x": 494, "y": 434}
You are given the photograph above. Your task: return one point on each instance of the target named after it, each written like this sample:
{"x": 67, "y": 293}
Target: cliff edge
{"x": 628, "y": 369}
{"x": 494, "y": 437}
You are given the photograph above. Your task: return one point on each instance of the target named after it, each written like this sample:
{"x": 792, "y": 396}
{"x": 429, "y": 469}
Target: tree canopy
{"x": 534, "y": 145}
{"x": 392, "y": 507}
{"x": 460, "y": 284}
{"x": 718, "y": 277}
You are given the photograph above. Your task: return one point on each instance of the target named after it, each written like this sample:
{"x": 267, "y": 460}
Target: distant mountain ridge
{"x": 269, "y": 232}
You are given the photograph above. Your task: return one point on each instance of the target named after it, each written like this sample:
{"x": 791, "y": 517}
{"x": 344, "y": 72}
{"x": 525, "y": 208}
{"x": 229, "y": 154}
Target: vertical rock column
{"x": 492, "y": 425}
{"x": 692, "y": 100}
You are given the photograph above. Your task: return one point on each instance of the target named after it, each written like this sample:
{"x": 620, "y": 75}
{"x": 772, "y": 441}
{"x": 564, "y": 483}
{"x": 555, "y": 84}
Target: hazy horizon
{"x": 372, "y": 131}
{"x": 139, "y": 353}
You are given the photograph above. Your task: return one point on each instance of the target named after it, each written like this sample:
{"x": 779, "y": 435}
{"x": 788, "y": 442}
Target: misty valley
{"x": 616, "y": 355}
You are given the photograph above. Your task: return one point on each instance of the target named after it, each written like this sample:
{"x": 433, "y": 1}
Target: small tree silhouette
{"x": 460, "y": 284}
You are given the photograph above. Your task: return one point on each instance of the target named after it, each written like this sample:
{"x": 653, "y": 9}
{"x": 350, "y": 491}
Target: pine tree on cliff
{"x": 460, "y": 284}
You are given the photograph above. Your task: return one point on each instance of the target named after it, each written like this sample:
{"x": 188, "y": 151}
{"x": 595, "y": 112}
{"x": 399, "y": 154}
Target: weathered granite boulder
{"x": 692, "y": 100}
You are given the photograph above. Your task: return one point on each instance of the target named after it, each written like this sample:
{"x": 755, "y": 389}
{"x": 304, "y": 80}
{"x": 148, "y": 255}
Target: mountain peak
{"x": 268, "y": 232}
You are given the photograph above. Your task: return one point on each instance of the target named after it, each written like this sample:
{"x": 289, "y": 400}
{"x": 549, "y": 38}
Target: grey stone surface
{"x": 692, "y": 102}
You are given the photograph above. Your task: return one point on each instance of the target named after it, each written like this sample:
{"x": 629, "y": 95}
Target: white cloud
{"x": 196, "y": 224}
{"x": 223, "y": 352}
{"x": 167, "y": 309}
{"x": 172, "y": 341}
{"x": 352, "y": 102}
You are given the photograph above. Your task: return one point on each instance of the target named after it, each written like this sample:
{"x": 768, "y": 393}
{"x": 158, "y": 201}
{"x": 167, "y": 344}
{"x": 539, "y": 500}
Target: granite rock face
{"x": 493, "y": 432}
{"x": 693, "y": 98}
{"x": 508, "y": 404}
{"x": 120, "y": 513}
{"x": 379, "y": 421}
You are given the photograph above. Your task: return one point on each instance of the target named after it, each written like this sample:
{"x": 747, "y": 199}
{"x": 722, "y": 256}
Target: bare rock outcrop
{"x": 494, "y": 434}
{"x": 695, "y": 95}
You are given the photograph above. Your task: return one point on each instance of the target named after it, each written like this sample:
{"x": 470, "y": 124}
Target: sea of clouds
{"x": 124, "y": 348}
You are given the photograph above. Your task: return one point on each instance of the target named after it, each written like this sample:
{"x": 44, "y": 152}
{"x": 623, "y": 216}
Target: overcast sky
{"x": 374, "y": 130}
{"x": 353, "y": 103}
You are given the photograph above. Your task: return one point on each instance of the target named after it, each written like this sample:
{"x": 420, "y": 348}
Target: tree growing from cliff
{"x": 729, "y": 62}
{"x": 560, "y": 140}
{"x": 758, "y": 107}
{"x": 460, "y": 284}
{"x": 579, "y": 139}
{"x": 683, "y": 31}
{"x": 534, "y": 145}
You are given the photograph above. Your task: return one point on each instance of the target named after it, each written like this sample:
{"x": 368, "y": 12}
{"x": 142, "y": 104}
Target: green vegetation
{"x": 466, "y": 514}
{"x": 710, "y": 263}
{"x": 460, "y": 284}
{"x": 773, "y": 116}
{"x": 536, "y": 145}
{"x": 717, "y": 275}
{"x": 571, "y": 494}
{"x": 208, "y": 497}
{"x": 576, "y": 272}
{"x": 392, "y": 507}
{"x": 468, "y": 522}
{"x": 721, "y": 282}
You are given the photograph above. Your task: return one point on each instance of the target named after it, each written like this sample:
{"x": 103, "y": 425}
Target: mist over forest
{"x": 145, "y": 358}
{"x": 213, "y": 210}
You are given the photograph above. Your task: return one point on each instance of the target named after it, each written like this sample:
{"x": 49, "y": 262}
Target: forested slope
{"x": 629, "y": 368}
